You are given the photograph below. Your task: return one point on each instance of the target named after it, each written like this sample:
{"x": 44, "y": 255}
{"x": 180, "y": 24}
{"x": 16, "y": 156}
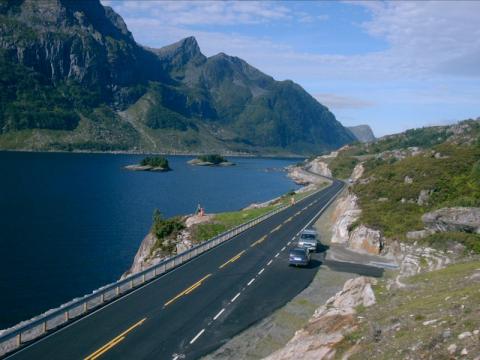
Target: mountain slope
{"x": 73, "y": 78}
{"x": 362, "y": 133}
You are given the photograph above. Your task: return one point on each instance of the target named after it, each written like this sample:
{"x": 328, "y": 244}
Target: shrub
{"x": 165, "y": 228}
{"x": 212, "y": 158}
{"x": 156, "y": 161}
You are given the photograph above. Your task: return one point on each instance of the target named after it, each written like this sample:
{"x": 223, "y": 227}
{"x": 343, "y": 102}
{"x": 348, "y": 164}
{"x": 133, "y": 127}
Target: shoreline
{"x": 145, "y": 256}
{"x": 133, "y": 152}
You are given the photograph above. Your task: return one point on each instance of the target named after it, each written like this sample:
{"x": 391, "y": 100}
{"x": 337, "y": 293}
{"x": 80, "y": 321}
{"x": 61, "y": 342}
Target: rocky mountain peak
{"x": 181, "y": 52}
{"x": 362, "y": 133}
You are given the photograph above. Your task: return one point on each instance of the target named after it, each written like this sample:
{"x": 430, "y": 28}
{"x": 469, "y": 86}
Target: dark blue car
{"x": 299, "y": 257}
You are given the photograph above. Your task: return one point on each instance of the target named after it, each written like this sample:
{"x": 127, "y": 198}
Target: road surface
{"x": 195, "y": 308}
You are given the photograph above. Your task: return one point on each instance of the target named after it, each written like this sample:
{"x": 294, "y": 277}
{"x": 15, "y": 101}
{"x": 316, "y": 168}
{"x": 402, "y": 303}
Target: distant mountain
{"x": 362, "y": 133}
{"x": 73, "y": 78}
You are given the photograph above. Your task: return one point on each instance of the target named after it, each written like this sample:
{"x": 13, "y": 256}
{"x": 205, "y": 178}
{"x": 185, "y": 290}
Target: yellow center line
{"x": 278, "y": 227}
{"x": 259, "y": 241}
{"x": 113, "y": 342}
{"x": 188, "y": 290}
{"x": 107, "y": 348}
{"x": 235, "y": 258}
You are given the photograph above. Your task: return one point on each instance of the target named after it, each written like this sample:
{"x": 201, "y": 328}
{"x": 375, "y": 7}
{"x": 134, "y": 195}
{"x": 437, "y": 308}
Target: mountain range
{"x": 73, "y": 78}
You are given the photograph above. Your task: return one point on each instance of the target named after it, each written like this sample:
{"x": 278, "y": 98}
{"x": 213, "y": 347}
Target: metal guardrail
{"x": 12, "y": 339}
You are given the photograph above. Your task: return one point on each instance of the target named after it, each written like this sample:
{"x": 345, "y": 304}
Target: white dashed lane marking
{"x": 197, "y": 336}
{"x": 218, "y": 315}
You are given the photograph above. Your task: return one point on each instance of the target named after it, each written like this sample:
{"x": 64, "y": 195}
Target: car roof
{"x": 298, "y": 249}
{"x": 308, "y": 240}
{"x": 309, "y": 231}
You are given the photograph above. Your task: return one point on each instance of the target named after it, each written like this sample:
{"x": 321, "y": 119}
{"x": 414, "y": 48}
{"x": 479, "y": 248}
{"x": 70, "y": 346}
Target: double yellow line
{"x": 235, "y": 258}
{"x": 113, "y": 342}
{"x": 259, "y": 241}
{"x": 188, "y": 290}
{"x": 277, "y": 228}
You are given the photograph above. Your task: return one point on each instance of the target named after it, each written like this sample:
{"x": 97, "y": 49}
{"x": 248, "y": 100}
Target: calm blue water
{"x": 70, "y": 223}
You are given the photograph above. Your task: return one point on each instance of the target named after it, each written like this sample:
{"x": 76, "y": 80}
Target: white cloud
{"x": 206, "y": 12}
{"x": 442, "y": 36}
{"x": 334, "y": 101}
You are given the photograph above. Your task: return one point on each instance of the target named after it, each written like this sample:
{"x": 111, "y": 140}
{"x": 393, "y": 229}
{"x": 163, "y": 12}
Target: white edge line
{"x": 283, "y": 248}
{"x": 250, "y": 282}
{"x": 197, "y": 336}
{"x": 261, "y": 271}
{"x": 235, "y": 297}
{"x": 277, "y": 254}
{"x": 219, "y": 313}
{"x": 269, "y": 262}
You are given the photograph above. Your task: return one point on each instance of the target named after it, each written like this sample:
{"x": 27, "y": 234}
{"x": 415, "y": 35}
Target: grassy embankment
{"x": 166, "y": 230}
{"x": 421, "y": 321}
{"x": 389, "y": 199}
{"x": 228, "y": 220}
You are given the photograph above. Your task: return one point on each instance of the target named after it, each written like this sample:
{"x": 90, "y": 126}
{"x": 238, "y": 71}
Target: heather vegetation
{"x": 342, "y": 166}
{"x": 390, "y": 202}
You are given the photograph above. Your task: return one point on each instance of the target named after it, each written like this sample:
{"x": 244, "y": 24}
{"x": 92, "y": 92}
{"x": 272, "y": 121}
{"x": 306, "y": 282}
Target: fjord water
{"x": 70, "y": 223}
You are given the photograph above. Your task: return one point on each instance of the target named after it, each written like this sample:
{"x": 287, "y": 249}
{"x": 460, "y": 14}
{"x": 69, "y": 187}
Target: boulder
{"x": 423, "y": 197}
{"x": 453, "y": 219}
{"x": 366, "y": 240}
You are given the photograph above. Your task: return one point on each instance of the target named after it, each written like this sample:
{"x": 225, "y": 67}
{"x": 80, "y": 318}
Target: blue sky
{"x": 392, "y": 65}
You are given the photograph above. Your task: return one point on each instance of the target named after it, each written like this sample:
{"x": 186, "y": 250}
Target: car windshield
{"x": 297, "y": 253}
{"x": 308, "y": 236}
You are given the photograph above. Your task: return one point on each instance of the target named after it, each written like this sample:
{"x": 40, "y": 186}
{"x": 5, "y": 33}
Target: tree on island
{"x": 156, "y": 162}
{"x": 212, "y": 158}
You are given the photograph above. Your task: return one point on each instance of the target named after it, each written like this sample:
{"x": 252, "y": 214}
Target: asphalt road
{"x": 198, "y": 306}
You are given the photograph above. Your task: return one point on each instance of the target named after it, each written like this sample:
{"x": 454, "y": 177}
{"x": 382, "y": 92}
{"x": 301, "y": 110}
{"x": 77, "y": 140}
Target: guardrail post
{"x": 44, "y": 327}
{"x": 102, "y": 297}
{"x": 117, "y": 290}
{"x": 85, "y": 309}
{"x": 19, "y": 339}
{"x": 143, "y": 278}
{"x": 66, "y": 315}
{"x": 131, "y": 284}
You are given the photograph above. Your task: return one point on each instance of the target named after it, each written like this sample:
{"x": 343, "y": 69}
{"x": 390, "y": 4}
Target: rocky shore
{"x": 197, "y": 162}
{"x": 138, "y": 167}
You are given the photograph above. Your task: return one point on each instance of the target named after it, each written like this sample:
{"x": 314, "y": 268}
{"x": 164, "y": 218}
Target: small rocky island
{"x": 210, "y": 160}
{"x": 154, "y": 163}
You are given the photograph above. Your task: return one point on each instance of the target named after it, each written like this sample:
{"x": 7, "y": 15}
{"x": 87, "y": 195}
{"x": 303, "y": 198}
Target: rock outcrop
{"x": 357, "y": 172}
{"x": 345, "y": 214}
{"x": 319, "y": 167}
{"x": 416, "y": 259}
{"x": 453, "y": 219}
{"x": 330, "y": 323}
{"x": 366, "y": 240}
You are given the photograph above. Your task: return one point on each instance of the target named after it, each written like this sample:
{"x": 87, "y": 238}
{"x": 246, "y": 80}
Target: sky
{"x": 391, "y": 65}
